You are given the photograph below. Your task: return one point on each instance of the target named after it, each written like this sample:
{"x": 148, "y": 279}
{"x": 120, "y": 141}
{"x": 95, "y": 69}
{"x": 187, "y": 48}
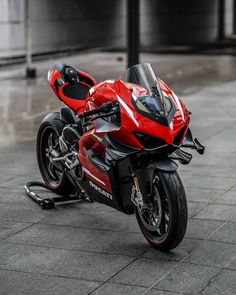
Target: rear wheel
{"x": 47, "y": 146}
{"x": 164, "y": 222}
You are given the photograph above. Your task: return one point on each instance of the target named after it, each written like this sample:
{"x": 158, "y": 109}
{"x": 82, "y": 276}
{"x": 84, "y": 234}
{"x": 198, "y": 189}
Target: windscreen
{"x": 153, "y": 102}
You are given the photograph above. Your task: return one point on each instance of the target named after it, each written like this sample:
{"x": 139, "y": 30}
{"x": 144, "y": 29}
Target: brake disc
{"x": 151, "y": 217}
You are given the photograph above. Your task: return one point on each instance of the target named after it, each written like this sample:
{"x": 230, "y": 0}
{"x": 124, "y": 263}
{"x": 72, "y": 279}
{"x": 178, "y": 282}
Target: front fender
{"x": 145, "y": 175}
{"x": 165, "y": 164}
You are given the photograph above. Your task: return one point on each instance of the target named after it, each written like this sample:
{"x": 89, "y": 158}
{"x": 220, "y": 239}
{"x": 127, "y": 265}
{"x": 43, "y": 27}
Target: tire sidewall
{"x": 52, "y": 120}
{"x": 178, "y": 213}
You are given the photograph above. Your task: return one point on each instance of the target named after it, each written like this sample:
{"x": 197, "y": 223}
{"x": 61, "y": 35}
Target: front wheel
{"x": 164, "y": 222}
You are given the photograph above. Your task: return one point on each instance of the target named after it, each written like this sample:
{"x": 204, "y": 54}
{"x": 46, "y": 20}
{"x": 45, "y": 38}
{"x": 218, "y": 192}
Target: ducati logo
{"x": 100, "y": 190}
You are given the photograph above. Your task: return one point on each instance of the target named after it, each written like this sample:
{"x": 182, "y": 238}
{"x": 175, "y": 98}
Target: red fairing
{"x": 131, "y": 120}
{"x": 89, "y": 142}
{"x": 100, "y": 94}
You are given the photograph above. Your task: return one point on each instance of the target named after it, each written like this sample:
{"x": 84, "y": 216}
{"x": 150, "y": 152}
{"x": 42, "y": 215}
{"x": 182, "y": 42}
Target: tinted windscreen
{"x": 153, "y": 103}
{"x": 143, "y": 75}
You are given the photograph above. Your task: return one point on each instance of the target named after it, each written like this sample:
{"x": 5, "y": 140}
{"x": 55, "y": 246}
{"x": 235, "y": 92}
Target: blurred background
{"x": 189, "y": 43}
{"x": 59, "y": 25}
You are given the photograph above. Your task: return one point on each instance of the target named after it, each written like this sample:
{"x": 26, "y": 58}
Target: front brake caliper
{"x": 138, "y": 197}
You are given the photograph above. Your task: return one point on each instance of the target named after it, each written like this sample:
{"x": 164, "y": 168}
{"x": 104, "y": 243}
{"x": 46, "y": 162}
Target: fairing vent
{"x": 150, "y": 142}
{"x": 179, "y": 136}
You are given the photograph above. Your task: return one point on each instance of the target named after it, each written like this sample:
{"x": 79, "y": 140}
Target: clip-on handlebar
{"x": 106, "y": 107}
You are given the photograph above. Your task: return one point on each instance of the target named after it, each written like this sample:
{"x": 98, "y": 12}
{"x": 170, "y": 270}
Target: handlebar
{"x": 106, "y": 107}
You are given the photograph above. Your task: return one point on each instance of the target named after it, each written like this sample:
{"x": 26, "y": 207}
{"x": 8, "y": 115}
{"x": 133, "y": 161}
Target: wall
{"x": 182, "y": 22}
{"x": 229, "y": 17}
{"x": 11, "y": 25}
{"x": 61, "y": 24}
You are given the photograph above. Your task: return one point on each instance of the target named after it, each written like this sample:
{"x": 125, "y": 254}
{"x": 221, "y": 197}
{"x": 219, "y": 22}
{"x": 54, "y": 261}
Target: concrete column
{"x": 30, "y": 71}
{"x": 221, "y": 19}
{"x": 234, "y": 17}
{"x": 132, "y": 14}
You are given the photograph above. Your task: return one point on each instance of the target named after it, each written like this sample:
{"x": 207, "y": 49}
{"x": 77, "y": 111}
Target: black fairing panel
{"x": 121, "y": 184}
{"x": 116, "y": 151}
{"x": 119, "y": 158}
{"x": 192, "y": 143}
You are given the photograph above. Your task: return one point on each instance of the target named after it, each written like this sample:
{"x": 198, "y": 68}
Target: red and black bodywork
{"x": 111, "y": 148}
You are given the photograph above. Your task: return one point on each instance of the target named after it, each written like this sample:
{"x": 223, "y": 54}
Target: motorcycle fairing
{"x": 120, "y": 183}
{"x": 152, "y": 101}
{"x": 133, "y": 120}
{"x": 89, "y": 152}
{"x": 116, "y": 144}
{"x": 107, "y": 148}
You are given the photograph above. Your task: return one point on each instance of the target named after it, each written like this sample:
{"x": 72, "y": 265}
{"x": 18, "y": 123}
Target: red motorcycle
{"x": 117, "y": 143}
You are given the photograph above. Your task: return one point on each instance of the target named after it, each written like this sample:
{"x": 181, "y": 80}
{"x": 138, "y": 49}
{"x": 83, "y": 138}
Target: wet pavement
{"x": 93, "y": 249}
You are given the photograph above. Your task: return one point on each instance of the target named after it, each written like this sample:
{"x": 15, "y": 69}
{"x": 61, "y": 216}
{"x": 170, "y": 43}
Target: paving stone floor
{"x": 86, "y": 248}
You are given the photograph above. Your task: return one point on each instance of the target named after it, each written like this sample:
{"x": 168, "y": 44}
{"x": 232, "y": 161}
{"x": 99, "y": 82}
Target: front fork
{"x": 143, "y": 180}
{"x": 137, "y": 197}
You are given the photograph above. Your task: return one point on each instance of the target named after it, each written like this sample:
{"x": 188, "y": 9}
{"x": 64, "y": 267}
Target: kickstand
{"x": 49, "y": 203}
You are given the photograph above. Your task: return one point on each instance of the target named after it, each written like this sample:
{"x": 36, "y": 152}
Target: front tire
{"x": 165, "y": 226}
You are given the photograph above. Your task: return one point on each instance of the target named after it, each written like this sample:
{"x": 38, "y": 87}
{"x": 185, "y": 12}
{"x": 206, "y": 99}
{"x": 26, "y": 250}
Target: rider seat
{"x": 72, "y": 94}
{"x": 80, "y": 90}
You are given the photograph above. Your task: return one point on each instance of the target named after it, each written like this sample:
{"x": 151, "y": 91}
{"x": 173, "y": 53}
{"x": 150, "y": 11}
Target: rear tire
{"x": 174, "y": 213}
{"x": 48, "y": 135}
